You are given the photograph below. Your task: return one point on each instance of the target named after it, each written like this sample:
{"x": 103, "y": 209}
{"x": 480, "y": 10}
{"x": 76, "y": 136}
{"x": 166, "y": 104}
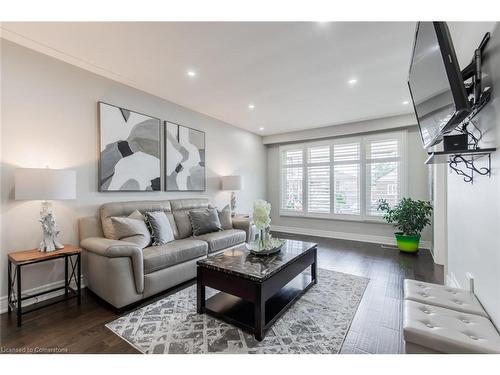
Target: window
{"x": 383, "y": 157}
{"x": 343, "y": 178}
{"x": 318, "y": 179}
{"x": 291, "y": 180}
{"x": 346, "y": 169}
{"x": 392, "y": 189}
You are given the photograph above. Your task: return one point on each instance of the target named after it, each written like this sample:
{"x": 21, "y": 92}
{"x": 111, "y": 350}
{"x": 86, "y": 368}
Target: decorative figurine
{"x": 233, "y": 203}
{"x": 49, "y": 230}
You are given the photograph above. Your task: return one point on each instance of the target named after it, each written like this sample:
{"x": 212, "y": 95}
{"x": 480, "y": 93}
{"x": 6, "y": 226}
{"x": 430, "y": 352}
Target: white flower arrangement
{"x": 261, "y": 212}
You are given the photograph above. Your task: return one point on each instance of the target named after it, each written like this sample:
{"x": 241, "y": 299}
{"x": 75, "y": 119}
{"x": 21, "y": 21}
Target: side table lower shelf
{"x": 72, "y": 266}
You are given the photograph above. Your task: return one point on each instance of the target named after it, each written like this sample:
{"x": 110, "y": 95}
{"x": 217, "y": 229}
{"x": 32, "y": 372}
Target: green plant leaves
{"x": 408, "y": 216}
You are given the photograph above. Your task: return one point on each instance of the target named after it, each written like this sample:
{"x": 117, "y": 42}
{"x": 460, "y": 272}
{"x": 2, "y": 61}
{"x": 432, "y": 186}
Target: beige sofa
{"x": 121, "y": 273}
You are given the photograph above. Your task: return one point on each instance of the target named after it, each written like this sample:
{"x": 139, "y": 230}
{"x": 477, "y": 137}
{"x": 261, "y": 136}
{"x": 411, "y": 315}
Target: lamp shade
{"x": 45, "y": 184}
{"x": 231, "y": 183}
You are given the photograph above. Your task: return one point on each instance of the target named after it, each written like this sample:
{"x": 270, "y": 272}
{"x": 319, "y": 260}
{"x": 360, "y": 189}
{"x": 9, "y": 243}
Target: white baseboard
{"x": 383, "y": 240}
{"x": 39, "y": 289}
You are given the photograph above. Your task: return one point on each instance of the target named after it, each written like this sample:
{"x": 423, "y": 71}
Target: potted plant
{"x": 409, "y": 217}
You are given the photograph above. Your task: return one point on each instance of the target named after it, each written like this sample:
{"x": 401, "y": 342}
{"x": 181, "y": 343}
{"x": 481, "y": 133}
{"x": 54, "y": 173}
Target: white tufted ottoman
{"x": 439, "y": 319}
{"x": 443, "y": 296}
{"x": 447, "y": 331}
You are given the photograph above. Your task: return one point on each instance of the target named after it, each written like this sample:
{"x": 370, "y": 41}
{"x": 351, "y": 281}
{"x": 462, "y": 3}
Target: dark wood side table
{"x": 19, "y": 259}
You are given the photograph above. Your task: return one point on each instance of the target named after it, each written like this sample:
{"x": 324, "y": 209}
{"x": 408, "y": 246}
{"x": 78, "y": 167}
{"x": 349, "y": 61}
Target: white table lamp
{"x": 232, "y": 183}
{"x": 46, "y": 184}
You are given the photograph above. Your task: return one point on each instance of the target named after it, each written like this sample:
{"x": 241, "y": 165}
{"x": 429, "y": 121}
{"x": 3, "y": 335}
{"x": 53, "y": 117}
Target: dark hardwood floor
{"x": 376, "y": 328}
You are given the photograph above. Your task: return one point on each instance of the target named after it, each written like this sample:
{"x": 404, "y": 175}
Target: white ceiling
{"x": 296, "y": 74}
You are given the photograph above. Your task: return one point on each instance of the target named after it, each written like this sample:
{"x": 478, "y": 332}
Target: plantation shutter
{"x": 343, "y": 178}
{"x": 318, "y": 179}
{"x": 383, "y": 172}
{"x": 291, "y": 180}
{"x": 346, "y": 172}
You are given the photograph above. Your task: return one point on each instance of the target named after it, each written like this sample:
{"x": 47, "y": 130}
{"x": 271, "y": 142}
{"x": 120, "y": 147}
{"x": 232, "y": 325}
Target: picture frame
{"x": 185, "y": 158}
{"x": 129, "y": 150}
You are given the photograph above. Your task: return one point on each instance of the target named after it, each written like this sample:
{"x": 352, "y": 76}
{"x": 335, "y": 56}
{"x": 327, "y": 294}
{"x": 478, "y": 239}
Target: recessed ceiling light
{"x": 406, "y": 102}
{"x": 352, "y": 81}
{"x": 251, "y": 106}
{"x": 261, "y": 128}
{"x": 191, "y": 73}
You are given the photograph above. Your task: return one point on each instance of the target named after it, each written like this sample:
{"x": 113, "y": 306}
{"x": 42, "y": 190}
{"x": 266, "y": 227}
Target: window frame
{"x": 363, "y": 141}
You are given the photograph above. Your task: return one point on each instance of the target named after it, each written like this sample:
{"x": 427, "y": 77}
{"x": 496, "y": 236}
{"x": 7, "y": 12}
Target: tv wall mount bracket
{"x": 473, "y": 71}
{"x": 469, "y": 158}
{"x": 468, "y": 161}
{"x": 464, "y": 163}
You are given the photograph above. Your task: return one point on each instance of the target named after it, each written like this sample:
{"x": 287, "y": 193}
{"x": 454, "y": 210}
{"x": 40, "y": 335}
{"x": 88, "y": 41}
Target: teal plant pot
{"x": 407, "y": 244}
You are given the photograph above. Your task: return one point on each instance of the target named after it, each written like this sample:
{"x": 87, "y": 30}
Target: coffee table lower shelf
{"x": 238, "y": 312}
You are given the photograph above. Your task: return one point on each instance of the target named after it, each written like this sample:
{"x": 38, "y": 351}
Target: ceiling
{"x": 296, "y": 74}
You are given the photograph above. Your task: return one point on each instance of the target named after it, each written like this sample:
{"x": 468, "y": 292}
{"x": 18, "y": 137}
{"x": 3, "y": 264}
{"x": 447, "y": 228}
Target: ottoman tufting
{"x": 443, "y": 296}
{"x": 433, "y": 329}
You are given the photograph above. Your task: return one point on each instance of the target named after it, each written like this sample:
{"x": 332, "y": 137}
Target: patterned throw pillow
{"x": 225, "y": 217}
{"x": 204, "y": 220}
{"x": 132, "y": 229}
{"x": 160, "y": 228}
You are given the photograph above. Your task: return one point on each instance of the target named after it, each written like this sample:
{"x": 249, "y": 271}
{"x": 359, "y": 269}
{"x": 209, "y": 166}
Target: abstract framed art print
{"x": 129, "y": 150}
{"x": 185, "y": 158}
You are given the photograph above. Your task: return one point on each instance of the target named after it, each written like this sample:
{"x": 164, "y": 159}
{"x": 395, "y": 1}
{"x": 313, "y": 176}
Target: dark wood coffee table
{"x": 255, "y": 290}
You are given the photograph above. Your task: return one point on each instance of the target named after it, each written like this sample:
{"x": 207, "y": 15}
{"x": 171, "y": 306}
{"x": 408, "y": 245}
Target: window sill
{"x": 369, "y": 220}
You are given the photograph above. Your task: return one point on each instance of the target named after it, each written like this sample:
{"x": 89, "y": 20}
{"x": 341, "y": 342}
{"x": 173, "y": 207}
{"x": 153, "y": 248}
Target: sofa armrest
{"x": 243, "y": 223}
{"x": 115, "y": 249}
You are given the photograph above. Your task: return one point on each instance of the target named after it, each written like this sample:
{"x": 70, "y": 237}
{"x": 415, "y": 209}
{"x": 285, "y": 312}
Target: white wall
{"x": 439, "y": 218}
{"x": 49, "y": 117}
{"x": 474, "y": 209}
{"x": 363, "y": 231}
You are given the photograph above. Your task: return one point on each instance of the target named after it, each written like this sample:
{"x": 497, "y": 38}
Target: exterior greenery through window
{"x": 343, "y": 178}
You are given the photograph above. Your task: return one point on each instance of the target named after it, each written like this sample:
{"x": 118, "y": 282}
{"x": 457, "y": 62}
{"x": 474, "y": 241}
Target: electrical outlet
{"x": 470, "y": 279}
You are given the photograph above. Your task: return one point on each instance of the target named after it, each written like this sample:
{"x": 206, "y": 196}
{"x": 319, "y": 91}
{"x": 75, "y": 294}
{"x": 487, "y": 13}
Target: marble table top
{"x": 241, "y": 262}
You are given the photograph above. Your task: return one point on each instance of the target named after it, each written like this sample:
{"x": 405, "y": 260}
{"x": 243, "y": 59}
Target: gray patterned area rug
{"x": 317, "y": 323}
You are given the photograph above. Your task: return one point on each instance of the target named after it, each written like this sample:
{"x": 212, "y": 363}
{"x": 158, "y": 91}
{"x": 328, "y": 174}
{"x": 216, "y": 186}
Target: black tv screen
{"x": 436, "y": 83}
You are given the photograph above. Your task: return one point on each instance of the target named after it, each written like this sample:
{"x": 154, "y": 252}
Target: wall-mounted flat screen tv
{"x": 436, "y": 83}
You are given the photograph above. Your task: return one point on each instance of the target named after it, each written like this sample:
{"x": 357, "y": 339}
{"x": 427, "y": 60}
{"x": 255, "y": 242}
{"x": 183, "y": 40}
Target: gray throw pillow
{"x": 132, "y": 229}
{"x": 204, "y": 220}
{"x": 225, "y": 217}
{"x": 160, "y": 228}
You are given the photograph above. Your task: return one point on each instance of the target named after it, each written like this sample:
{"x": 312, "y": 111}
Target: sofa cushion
{"x": 223, "y": 239}
{"x": 132, "y": 229}
{"x": 175, "y": 252}
{"x": 443, "y": 296}
{"x": 183, "y": 223}
{"x": 189, "y": 204}
{"x": 225, "y": 217}
{"x": 205, "y": 220}
{"x": 160, "y": 228}
{"x": 448, "y": 331}
{"x": 107, "y": 210}
{"x": 180, "y": 212}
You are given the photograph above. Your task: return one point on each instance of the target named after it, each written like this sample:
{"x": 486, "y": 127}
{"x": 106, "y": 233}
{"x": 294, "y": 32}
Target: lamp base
{"x": 233, "y": 204}
{"x": 49, "y": 230}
